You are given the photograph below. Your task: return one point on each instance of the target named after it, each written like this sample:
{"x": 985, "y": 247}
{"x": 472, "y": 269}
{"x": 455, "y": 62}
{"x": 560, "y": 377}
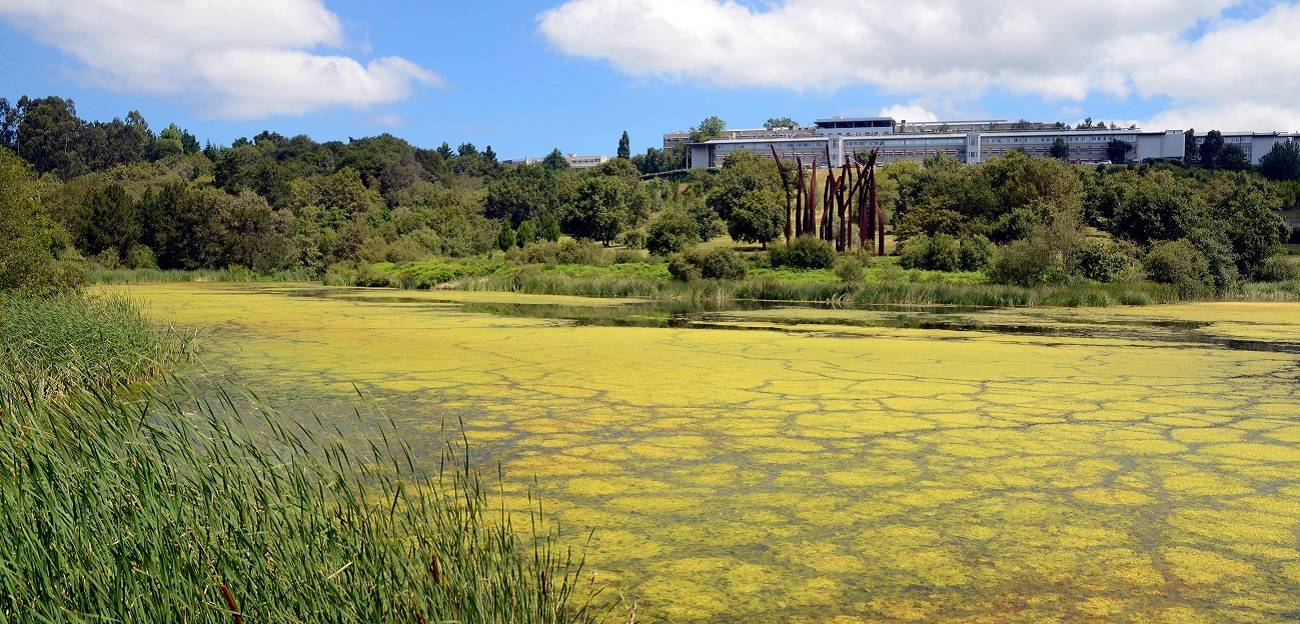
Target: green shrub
{"x": 108, "y": 259}
{"x": 526, "y": 235}
{"x": 569, "y": 251}
{"x": 1028, "y": 262}
{"x": 671, "y": 232}
{"x": 940, "y": 252}
{"x": 626, "y": 256}
{"x": 1103, "y": 261}
{"x": 506, "y": 237}
{"x": 633, "y": 239}
{"x": 974, "y": 253}
{"x": 141, "y": 257}
{"x": 1278, "y": 268}
{"x": 683, "y": 268}
{"x": 1181, "y": 265}
{"x": 849, "y": 270}
{"x": 718, "y": 263}
{"x": 805, "y": 252}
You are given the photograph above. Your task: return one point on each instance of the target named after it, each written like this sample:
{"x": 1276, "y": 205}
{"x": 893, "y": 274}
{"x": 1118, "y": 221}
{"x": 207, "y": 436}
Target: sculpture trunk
{"x": 880, "y": 217}
{"x": 809, "y": 220}
{"x": 799, "y": 200}
{"x": 785, "y": 184}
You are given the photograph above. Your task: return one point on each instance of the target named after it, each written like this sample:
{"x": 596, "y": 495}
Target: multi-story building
{"x": 674, "y": 139}
{"x": 574, "y": 160}
{"x": 1254, "y": 144}
{"x": 968, "y": 141}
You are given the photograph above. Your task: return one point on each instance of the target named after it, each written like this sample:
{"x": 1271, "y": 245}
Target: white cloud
{"x": 908, "y": 112}
{"x": 236, "y": 58}
{"x": 949, "y": 50}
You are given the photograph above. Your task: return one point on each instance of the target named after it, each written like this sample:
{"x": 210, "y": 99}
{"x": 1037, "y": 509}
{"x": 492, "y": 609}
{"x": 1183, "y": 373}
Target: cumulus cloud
{"x": 951, "y": 49}
{"x": 908, "y": 112}
{"x": 237, "y": 58}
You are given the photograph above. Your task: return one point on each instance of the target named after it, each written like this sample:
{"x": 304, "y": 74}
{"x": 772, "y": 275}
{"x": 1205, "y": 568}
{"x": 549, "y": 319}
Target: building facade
{"x": 574, "y": 160}
{"x": 1254, "y": 144}
{"x": 969, "y": 142}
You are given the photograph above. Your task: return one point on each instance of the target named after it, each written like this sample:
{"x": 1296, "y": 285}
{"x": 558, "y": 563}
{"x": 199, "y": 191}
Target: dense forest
{"x": 120, "y": 194}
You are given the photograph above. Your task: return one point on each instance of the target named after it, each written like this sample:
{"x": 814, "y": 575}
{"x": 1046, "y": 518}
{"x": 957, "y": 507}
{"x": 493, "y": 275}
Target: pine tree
{"x": 625, "y": 146}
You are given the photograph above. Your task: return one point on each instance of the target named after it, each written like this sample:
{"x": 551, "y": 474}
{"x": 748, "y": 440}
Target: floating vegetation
{"x": 1129, "y": 464}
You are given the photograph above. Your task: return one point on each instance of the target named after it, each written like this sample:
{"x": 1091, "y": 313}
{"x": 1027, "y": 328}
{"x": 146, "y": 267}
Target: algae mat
{"x": 818, "y": 473}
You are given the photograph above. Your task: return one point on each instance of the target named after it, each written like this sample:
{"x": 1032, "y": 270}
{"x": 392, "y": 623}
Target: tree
{"x": 1210, "y": 154}
{"x": 551, "y": 229}
{"x": 758, "y": 218}
{"x": 555, "y": 161}
{"x": 780, "y": 122}
{"x": 489, "y": 155}
{"x": 710, "y": 128}
{"x": 1117, "y": 151}
{"x": 252, "y": 234}
{"x": 112, "y": 225}
{"x": 1282, "y": 162}
{"x": 625, "y": 146}
{"x": 748, "y": 196}
{"x": 1233, "y": 159}
{"x": 1189, "y": 147}
{"x": 526, "y": 235}
{"x": 604, "y": 206}
{"x": 528, "y": 192}
{"x": 28, "y": 261}
{"x": 445, "y": 151}
{"x": 506, "y": 237}
{"x": 50, "y": 136}
{"x": 673, "y": 231}
{"x": 467, "y": 149}
{"x": 1060, "y": 149}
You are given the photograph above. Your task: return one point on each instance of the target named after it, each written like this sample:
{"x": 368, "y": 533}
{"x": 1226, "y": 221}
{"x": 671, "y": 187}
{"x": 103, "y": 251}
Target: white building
{"x": 1254, "y": 144}
{"x": 574, "y": 160}
{"x": 970, "y": 142}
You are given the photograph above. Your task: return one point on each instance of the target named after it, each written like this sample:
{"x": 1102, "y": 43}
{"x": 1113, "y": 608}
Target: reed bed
{"x": 52, "y": 346}
{"x": 119, "y": 504}
{"x": 100, "y": 275}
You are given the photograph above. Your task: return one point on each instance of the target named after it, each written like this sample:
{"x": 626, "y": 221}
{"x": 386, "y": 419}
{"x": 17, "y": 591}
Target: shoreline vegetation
{"x": 881, "y": 281}
{"x": 120, "y": 501}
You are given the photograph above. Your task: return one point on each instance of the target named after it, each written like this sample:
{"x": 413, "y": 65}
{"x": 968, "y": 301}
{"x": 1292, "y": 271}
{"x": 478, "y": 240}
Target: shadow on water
{"x": 731, "y": 315}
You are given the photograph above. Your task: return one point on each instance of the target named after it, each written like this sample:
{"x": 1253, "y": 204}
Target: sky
{"x": 527, "y": 76}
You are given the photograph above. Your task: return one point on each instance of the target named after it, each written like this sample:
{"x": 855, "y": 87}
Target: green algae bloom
{"x": 813, "y": 465}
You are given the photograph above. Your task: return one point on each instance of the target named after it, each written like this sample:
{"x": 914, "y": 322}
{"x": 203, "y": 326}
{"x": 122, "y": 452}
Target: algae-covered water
{"x": 786, "y": 464}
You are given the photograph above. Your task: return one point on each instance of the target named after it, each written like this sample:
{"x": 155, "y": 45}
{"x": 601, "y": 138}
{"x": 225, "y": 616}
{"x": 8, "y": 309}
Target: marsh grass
{"x": 118, "y": 504}
{"x": 100, "y": 275}
{"x": 50, "y": 347}
{"x": 150, "y": 511}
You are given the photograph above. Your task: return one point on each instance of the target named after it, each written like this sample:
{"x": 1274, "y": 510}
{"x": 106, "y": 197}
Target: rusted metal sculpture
{"x": 854, "y": 189}
{"x": 810, "y": 219}
{"x": 785, "y": 184}
{"x": 799, "y": 200}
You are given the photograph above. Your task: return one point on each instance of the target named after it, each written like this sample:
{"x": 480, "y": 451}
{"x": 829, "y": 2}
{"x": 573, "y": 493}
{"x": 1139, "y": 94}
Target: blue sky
{"x": 496, "y": 77}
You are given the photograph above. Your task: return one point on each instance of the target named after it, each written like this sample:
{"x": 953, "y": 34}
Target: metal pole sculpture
{"x": 785, "y": 184}
{"x": 828, "y": 196}
{"x": 841, "y": 241}
{"x": 810, "y": 223}
{"x": 799, "y": 200}
{"x": 880, "y": 216}
{"x": 866, "y": 214}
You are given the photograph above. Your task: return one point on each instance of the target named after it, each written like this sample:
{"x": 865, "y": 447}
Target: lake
{"x": 805, "y": 464}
